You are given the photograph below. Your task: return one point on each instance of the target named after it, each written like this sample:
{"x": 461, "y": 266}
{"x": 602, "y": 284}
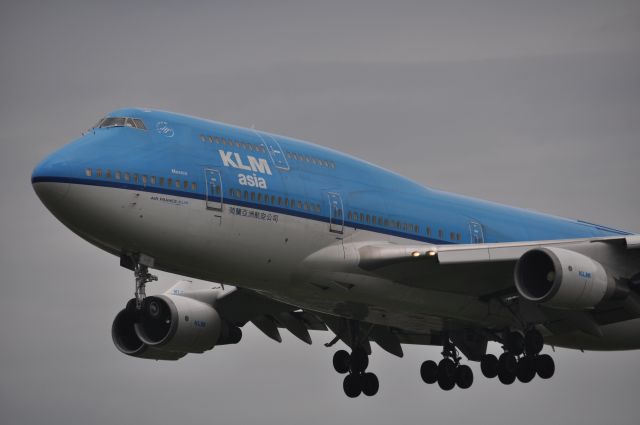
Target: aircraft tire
{"x": 464, "y": 376}
{"x": 545, "y": 366}
{"x": 341, "y": 361}
{"x": 489, "y": 366}
{"x": 526, "y": 370}
{"x": 370, "y": 384}
{"x": 429, "y": 372}
{"x": 533, "y": 342}
{"x": 351, "y": 385}
{"x": 446, "y": 374}
{"x": 359, "y": 361}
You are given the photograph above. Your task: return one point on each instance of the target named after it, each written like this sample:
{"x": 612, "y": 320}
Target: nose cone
{"x": 50, "y": 180}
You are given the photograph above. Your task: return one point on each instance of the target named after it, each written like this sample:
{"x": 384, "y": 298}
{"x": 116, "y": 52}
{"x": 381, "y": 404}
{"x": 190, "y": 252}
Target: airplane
{"x": 296, "y": 236}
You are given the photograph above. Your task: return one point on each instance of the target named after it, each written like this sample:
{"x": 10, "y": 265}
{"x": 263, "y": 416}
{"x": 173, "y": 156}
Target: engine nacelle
{"x": 181, "y": 324}
{"x": 127, "y": 341}
{"x": 561, "y": 278}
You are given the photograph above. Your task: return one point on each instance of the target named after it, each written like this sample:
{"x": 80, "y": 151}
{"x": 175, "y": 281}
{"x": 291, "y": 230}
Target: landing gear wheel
{"x": 526, "y": 370}
{"x": 341, "y": 361}
{"x": 464, "y": 376}
{"x": 351, "y": 385}
{"x": 533, "y": 342}
{"x": 507, "y": 366}
{"x": 429, "y": 372}
{"x": 359, "y": 360}
{"x": 515, "y": 343}
{"x": 545, "y": 367}
{"x": 507, "y": 378}
{"x": 370, "y": 384}
{"x": 446, "y": 374}
{"x": 489, "y": 366}
{"x": 507, "y": 363}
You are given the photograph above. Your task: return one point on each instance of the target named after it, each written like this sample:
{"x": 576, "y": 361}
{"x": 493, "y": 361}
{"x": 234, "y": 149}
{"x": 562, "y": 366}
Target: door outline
{"x": 476, "y": 232}
{"x": 336, "y": 213}
{"x": 271, "y": 145}
{"x": 213, "y": 189}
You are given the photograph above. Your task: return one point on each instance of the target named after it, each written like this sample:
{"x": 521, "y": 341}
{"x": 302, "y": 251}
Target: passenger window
{"x": 169, "y": 182}
{"x": 253, "y": 196}
{"x": 458, "y": 236}
{"x": 88, "y": 172}
{"x": 99, "y": 172}
{"x": 299, "y": 204}
{"x": 202, "y": 138}
{"x": 273, "y": 199}
{"x": 293, "y": 203}
{"x": 259, "y": 197}
{"x": 117, "y": 175}
{"x": 178, "y": 183}
{"x": 368, "y": 218}
{"x": 135, "y": 178}
{"x": 144, "y": 180}
{"x": 152, "y": 179}
{"x": 210, "y": 139}
{"x": 416, "y": 228}
{"x": 440, "y": 233}
{"x": 161, "y": 181}
{"x": 246, "y": 195}
{"x": 428, "y": 231}
{"x": 185, "y": 185}
{"x": 231, "y": 192}
{"x": 127, "y": 177}
{"x": 107, "y": 174}
{"x": 279, "y": 200}
{"x": 452, "y": 236}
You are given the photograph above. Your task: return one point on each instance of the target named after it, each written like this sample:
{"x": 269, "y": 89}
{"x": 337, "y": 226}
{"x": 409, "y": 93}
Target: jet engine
{"x": 169, "y": 326}
{"x": 561, "y": 278}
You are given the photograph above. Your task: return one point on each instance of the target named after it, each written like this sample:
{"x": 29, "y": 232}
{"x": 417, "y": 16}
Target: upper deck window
{"x": 121, "y": 122}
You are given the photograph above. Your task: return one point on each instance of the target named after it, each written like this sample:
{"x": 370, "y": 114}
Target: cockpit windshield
{"x": 120, "y": 122}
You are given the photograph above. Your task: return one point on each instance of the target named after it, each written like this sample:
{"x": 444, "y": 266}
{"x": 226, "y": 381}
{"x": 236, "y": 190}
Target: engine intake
{"x": 561, "y": 278}
{"x": 127, "y": 341}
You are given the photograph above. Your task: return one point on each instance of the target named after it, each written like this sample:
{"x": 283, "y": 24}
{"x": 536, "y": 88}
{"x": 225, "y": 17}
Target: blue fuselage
{"x": 186, "y": 157}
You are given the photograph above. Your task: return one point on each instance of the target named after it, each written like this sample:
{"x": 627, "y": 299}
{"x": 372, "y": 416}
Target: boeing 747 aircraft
{"x": 313, "y": 239}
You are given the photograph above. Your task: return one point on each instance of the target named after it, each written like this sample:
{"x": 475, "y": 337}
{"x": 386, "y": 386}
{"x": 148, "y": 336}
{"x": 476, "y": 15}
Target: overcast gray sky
{"x": 530, "y": 103}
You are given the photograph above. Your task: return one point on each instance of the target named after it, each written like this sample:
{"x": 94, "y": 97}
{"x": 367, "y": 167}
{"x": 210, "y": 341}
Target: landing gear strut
{"x": 142, "y": 276}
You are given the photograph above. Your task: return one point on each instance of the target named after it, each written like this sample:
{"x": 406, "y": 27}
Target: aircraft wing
{"x": 480, "y": 270}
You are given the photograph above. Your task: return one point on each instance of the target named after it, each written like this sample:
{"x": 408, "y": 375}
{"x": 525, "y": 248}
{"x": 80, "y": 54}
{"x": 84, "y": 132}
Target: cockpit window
{"x": 120, "y": 122}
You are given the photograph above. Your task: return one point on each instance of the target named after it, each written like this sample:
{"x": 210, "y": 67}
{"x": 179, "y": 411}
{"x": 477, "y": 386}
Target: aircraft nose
{"x": 50, "y": 179}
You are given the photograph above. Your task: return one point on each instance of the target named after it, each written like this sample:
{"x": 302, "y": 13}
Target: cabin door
{"x": 336, "y": 213}
{"x": 477, "y": 234}
{"x": 213, "y": 189}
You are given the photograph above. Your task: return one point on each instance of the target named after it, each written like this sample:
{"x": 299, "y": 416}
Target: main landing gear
{"x": 358, "y": 380}
{"x": 448, "y": 372}
{"x": 521, "y": 359}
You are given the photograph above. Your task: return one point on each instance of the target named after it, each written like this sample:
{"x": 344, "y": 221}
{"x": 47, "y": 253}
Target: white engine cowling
{"x": 562, "y": 278}
{"x": 182, "y": 324}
